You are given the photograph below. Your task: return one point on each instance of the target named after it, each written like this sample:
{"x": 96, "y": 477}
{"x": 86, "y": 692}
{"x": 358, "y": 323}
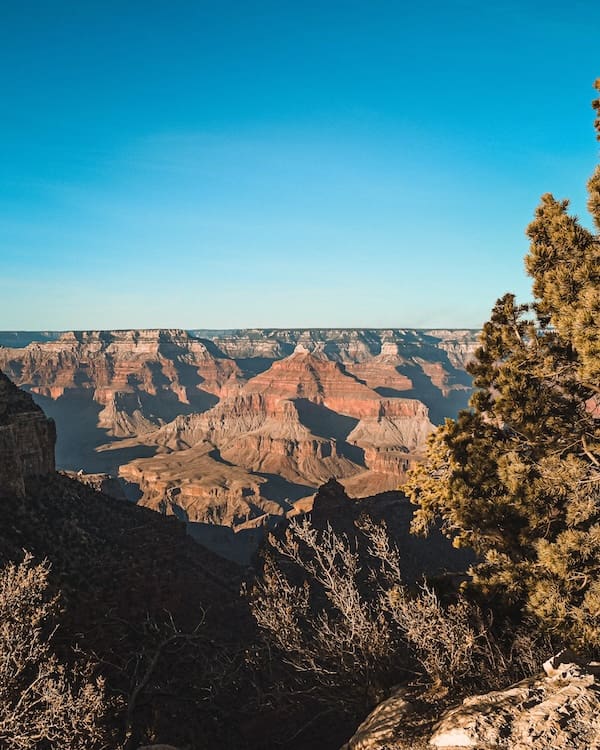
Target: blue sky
{"x": 241, "y": 164}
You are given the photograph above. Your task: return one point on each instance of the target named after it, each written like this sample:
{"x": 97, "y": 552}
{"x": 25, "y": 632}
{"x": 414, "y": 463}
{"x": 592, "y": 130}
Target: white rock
{"x": 560, "y": 711}
{"x": 566, "y": 656}
{"x": 379, "y": 730}
{"x": 453, "y": 738}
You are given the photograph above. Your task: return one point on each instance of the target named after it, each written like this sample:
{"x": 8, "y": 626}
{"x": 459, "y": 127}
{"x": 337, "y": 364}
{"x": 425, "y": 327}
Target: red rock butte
{"x": 234, "y": 427}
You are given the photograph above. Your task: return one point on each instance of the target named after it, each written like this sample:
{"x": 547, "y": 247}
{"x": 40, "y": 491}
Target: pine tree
{"x": 517, "y": 477}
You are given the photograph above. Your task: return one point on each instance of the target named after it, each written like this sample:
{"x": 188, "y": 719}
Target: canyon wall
{"x": 104, "y": 385}
{"x": 27, "y": 440}
{"x": 233, "y": 427}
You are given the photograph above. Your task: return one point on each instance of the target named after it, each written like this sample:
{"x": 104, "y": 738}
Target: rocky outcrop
{"x": 434, "y": 556}
{"x": 383, "y": 371}
{"x": 559, "y": 710}
{"x": 459, "y": 345}
{"x": 198, "y": 487}
{"x": 27, "y": 439}
{"x": 104, "y": 483}
{"x": 381, "y": 730}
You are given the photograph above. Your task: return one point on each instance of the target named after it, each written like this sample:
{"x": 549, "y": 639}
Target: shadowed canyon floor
{"x": 232, "y": 428}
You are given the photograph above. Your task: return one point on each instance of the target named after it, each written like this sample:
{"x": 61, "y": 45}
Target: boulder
{"x": 379, "y": 730}
{"x": 557, "y": 711}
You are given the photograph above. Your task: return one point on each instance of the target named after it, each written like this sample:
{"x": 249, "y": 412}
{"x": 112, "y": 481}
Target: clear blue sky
{"x": 236, "y": 164}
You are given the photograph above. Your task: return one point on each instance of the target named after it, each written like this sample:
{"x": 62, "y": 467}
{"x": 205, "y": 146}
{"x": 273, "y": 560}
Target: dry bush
{"x": 442, "y": 638}
{"x": 43, "y": 703}
{"x": 325, "y": 627}
{"x": 456, "y": 644}
{"x": 158, "y": 642}
{"x": 339, "y": 614}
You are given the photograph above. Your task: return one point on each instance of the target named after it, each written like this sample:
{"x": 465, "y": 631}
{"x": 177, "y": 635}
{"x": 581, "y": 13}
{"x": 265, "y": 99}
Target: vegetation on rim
{"x": 517, "y": 478}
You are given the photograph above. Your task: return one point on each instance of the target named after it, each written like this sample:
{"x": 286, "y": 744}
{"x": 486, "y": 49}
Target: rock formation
{"x": 226, "y": 427}
{"x": 434, "y": 556}
{"x": 347, "y": 345}
{"x": 380, "y": 730}
{"x": 197, "y": 487}
{"x": 304, "y": 420}
{"x": 123, "y": 382}
{"x": 427, "y": 365}
{"x": 27, "y": 439}
{"x": 104, "y": 483}
{"x": 559, "y": 710}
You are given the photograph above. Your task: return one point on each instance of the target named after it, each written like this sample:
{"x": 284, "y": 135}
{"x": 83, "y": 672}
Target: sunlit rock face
{"x": 230, "y": 427}
{"x": 304, "y": 420}
{"x": 139, "y": 379}
{"x": 103, "y": 385}
{"x": 557, "y": 711}
{"x": 27, "y": 439}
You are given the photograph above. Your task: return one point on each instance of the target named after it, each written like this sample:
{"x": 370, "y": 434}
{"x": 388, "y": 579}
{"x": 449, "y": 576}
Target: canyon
{"x": 135, "y": 589}
{"x": 231, "y": 429}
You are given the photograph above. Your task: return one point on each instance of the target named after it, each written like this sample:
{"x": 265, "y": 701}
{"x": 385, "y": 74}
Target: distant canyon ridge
{"x": 227, "y": 429}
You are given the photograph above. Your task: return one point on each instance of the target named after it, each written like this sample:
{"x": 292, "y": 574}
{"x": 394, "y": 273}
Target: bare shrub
{"x": 442, "y": 638}
{"x": 43, "y": 703}
{"x": 168, "y": 643}
{"x": 324, "y": 625}
{"x": 456, "y": 644}
{"x": 339, "y": 613}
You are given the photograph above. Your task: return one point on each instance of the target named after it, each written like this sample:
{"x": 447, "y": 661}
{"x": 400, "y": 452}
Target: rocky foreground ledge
{"x": 559, "y": 710}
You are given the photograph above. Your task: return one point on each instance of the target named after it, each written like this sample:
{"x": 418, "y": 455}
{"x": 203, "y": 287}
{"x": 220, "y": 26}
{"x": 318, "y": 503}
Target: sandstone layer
{"x": 228, "y": 427}
{"x": 138, "y": 380}
{"x": 304, "y": 420}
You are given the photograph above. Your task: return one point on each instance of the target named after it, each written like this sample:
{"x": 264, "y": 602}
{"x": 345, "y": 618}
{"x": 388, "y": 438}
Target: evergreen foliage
{"x": 518, "y": 476}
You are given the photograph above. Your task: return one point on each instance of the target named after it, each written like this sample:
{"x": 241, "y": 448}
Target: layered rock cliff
{"x": 423, "y": 364}
{"x": 226, "y": 427}
{"x": 289, "y": 429}
{"x": 27, "y": 439}
{"x": 111, "y": 384}
{"x": 347, "y": 345}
